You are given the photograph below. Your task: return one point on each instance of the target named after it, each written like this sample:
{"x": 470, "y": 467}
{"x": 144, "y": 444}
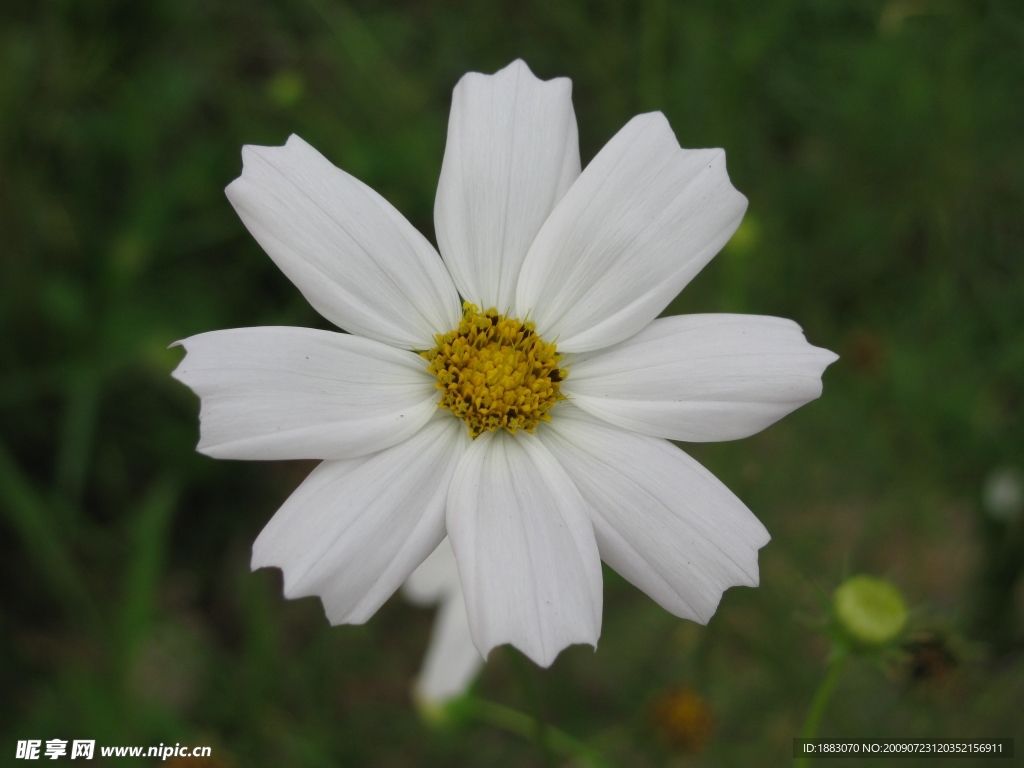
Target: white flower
{"x": 452, "y": 661}
{"x": 591, "y": 259}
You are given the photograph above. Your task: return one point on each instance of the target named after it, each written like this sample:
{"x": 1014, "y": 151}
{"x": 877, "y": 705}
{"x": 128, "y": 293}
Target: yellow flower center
{"x": 495, "y": 372}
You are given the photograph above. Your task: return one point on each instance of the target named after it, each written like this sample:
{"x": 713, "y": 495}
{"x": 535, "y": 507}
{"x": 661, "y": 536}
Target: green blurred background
{"x": 881, "y": 145}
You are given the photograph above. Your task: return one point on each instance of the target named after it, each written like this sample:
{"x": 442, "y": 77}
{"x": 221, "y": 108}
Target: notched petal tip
{"x": 828, "y": 357}
{"x": 822, "y": 358}
{"x": 662, "y": 520}
{"x": 355, "y": 258}
{"x": 654, "y": 119}
{"x": 294, "y": 143}
{"x": 517, "y": 66}
{"x": 259, "y": 560}
{"x": 545, "y": 658}
{"x": 356, "y": 529}
{"x": 701, "y": 378}
{"x": 716, "y": 162}
{"x": 259, "y": 153}
{"x": 215, "y": 451}
{"x": 260, "y": 556}
{"x": 637, "y": 225}
{"x": 511, "y": 154}
{"x": 527, "y": 557}
{"x": 522, "y": 68}
{"x": 179, "y": 371}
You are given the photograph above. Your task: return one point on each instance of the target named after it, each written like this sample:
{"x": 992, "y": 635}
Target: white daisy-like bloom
{"x": 535, "y": 332}
{"x": 452, "y": 661}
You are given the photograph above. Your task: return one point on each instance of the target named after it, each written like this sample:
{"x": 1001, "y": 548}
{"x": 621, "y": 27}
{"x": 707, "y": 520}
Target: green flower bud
{"x": 871, "y": 610}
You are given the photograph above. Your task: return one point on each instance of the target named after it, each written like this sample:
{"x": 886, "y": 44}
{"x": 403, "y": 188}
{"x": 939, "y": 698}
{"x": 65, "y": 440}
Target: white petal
{"x": 300, "y": 393}
{"x": 354, "y": 257}
{"x": 701, "y": 377}
{"x": 642, "y": 219}
{"x": 529, "y": 565}
{"x": 661, "y": 520}
{"x": 355, "y": 529}
{"x": 452, "y": 661}
{"x": 435, "y": 579}
{"x": 512, "y": 153}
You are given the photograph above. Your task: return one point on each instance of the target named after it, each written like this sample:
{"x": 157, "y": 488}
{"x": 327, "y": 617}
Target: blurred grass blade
{"x": 31, "y": 519}
{"x": 76, "y": 436}
{"x": 150, "y": 527}
{"x": 19, "y": 386}
{"x": 652, "y": 54}
{"x": 366, "y": 54}
{"x": 261, "y": 639}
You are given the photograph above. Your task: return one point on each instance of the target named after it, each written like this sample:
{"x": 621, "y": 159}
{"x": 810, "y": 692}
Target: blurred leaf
{"x": 150, "y": 534}
{"x": 32, "y": 521}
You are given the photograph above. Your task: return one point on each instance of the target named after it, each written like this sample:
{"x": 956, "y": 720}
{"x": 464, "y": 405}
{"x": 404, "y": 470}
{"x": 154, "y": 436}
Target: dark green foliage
{"x": 882, "y": 148}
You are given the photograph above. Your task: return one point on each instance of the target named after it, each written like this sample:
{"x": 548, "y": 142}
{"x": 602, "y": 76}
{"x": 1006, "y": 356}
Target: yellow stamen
{"x": 496, "y": 372}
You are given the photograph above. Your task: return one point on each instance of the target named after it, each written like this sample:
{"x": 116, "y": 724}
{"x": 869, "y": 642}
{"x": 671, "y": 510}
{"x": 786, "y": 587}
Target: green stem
{"x": 821, "y": 699}
{"x": 521, "y": 724}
